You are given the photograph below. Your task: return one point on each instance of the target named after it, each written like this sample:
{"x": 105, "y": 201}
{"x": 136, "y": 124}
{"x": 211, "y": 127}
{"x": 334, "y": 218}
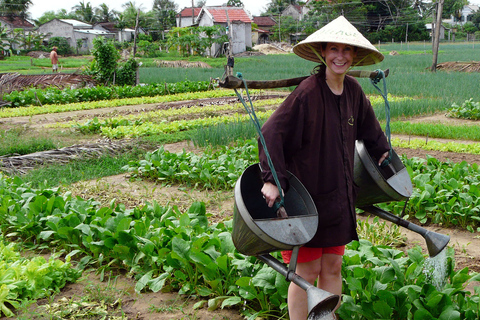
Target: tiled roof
{"x": 187, "y": 12}
{"x": 17, "y": 22}
{"x": 264, "y": 21}
{"x": 234, "y": 14}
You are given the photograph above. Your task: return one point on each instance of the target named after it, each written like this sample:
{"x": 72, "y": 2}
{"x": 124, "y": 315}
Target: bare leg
{"x": 331, "y": 274}
{"x": 297, "y": 297}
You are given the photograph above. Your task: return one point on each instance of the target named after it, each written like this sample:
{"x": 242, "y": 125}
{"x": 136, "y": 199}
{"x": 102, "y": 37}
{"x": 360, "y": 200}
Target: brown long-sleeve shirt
{"x": 312, "y": 134}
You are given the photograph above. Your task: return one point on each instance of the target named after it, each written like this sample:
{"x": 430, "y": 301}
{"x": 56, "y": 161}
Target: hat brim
{"x": 364, "y": 56}
{"x": 339, "y": 30}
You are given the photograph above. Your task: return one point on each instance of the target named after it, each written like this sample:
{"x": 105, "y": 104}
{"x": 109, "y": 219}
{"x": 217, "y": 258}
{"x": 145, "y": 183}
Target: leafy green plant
{"x": 444, "y": 192}
{"x": 24, "y": 279}
{"x": 380, "y": 233}
{"x": 384, "y": 283}
{"x": 215, "y": 169}
{"x": 468, "y": 110}
{"x": 166, "y": 249}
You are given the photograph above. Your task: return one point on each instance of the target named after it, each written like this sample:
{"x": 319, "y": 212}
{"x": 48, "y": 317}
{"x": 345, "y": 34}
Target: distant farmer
{"x": 54, "y": 59}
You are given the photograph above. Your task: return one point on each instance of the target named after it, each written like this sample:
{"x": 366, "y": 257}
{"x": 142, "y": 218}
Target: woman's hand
{"x": 270, "y": 193}
{"x": 383, "y": 157}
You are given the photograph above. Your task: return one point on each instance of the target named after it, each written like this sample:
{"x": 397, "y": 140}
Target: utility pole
{"x": 193, "y": 14}
{"x": 135, "y": 35}
{"x": 436, "y": 36}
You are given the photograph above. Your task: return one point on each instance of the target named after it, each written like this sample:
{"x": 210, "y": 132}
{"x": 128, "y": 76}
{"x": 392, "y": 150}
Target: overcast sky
{"x": 40, "y": 6}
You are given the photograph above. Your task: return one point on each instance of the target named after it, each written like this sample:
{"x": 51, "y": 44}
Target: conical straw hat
{"x": 339, "y": 31}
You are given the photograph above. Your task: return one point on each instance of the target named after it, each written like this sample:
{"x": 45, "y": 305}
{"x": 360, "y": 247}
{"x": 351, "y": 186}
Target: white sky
{"x": 40, "y": 6}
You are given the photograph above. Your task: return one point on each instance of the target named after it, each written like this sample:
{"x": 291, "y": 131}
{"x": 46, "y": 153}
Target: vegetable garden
{"x": 165, "y": 223}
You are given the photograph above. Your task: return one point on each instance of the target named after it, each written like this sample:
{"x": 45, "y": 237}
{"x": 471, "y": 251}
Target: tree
{"x": 62, "y": 44}
{"x": 163, "y": 16}
{"x": 15, "y": 8}
{"x": 235, "y": 3}
{"x": 50, "y": 15}
{"x": 104, "y": 14}
{"x": 200, "y": 3}
{"x": 4, "y": 39}
{"x": 453, "y": 8}
{"x": 31, "y": 40}
{"x": 104, "y": 62}
{"x": 84, "y": 12}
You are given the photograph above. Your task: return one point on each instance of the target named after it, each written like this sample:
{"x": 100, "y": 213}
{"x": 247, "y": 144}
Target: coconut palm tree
{"x": 84, "y": 12}
{"x": 15, "y": 8}
{"x": 104, "y": 14}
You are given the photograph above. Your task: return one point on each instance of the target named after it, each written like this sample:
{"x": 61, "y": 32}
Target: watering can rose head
{"x": 338, "y": 31}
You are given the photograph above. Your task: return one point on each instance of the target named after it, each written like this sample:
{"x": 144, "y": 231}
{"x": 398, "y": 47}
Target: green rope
{"x": 256, "y": 123}
{"x": 381, "y": 76}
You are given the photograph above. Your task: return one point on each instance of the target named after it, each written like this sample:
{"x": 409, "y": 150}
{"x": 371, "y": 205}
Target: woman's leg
{"x": 330, "y": 278}
{"x": 297, "y": 297}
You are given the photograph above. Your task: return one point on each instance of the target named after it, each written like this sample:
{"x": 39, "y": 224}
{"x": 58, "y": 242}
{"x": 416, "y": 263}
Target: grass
{"x": 82, "y": 169}
{"x": 15, "y": 141}
{"x": 223, "y": 134}
{"x": 29, "y": 65}
{"x": 436, "y": 130}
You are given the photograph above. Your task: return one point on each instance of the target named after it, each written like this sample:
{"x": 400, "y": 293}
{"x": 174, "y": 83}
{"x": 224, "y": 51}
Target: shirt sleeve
{"x": 370, "y": 130}
{"x": 283, "y": 136}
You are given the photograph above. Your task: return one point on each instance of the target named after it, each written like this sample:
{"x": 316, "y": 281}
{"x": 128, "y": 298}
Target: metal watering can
{"x": 257, "y": 231}
{"x": 391, "y": 183}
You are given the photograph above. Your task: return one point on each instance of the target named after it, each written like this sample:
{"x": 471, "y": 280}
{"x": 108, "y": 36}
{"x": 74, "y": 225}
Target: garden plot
{"x": 219, "y": 204}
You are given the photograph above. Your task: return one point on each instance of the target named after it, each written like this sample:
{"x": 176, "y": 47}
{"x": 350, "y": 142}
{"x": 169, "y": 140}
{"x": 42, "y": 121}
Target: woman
{"x": 312, "y": 134}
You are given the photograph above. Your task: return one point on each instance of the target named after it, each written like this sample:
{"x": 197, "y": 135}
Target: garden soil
{"x": 164, "y": 305}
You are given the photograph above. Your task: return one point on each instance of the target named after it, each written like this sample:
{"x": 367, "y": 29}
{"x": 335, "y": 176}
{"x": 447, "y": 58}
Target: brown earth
{"x": 163, "y": 306}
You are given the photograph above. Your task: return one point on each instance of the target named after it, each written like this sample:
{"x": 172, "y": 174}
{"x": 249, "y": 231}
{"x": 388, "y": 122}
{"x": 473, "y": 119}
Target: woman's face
{"x": 339, "y": 56}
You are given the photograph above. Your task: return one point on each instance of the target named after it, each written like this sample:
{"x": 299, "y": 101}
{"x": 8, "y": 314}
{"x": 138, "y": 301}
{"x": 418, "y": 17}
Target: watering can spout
{"x": 320, "y": 303}
{"x": 436, "y": 242}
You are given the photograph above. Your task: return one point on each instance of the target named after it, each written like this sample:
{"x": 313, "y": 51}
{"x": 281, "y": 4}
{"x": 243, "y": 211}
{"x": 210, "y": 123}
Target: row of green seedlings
{"x": 57, "y": 108}
{"x": 25, "y": 279}
{"x": 172, "y": 120}
{"x": 36, "y": 96}
{"x": 169, "y": 250}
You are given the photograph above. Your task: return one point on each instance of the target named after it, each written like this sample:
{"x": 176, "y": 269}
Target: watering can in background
{"x": 390, "y": 183}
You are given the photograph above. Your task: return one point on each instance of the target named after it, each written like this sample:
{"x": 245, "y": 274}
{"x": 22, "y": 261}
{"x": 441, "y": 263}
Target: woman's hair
{"x": 320, "y": 68}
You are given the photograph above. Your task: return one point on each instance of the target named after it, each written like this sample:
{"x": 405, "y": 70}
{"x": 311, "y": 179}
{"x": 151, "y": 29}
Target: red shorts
{"x": 307, "y": 254}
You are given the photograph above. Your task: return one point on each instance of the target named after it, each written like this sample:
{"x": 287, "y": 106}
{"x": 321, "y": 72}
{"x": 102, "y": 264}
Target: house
{"x": 236, "y": 19}
{"x": 121, "y": 35}
{"x": 465, "y": 15}
{"x": 9, "y": 24}
{"x": 443, "y": 30}
{"x": 15, "y": 23}
{"x": 187, "y": 17}
{"x": 261, "y": 34}
{"x": 293, "y": 10}
{"x": 79, "y": 34}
